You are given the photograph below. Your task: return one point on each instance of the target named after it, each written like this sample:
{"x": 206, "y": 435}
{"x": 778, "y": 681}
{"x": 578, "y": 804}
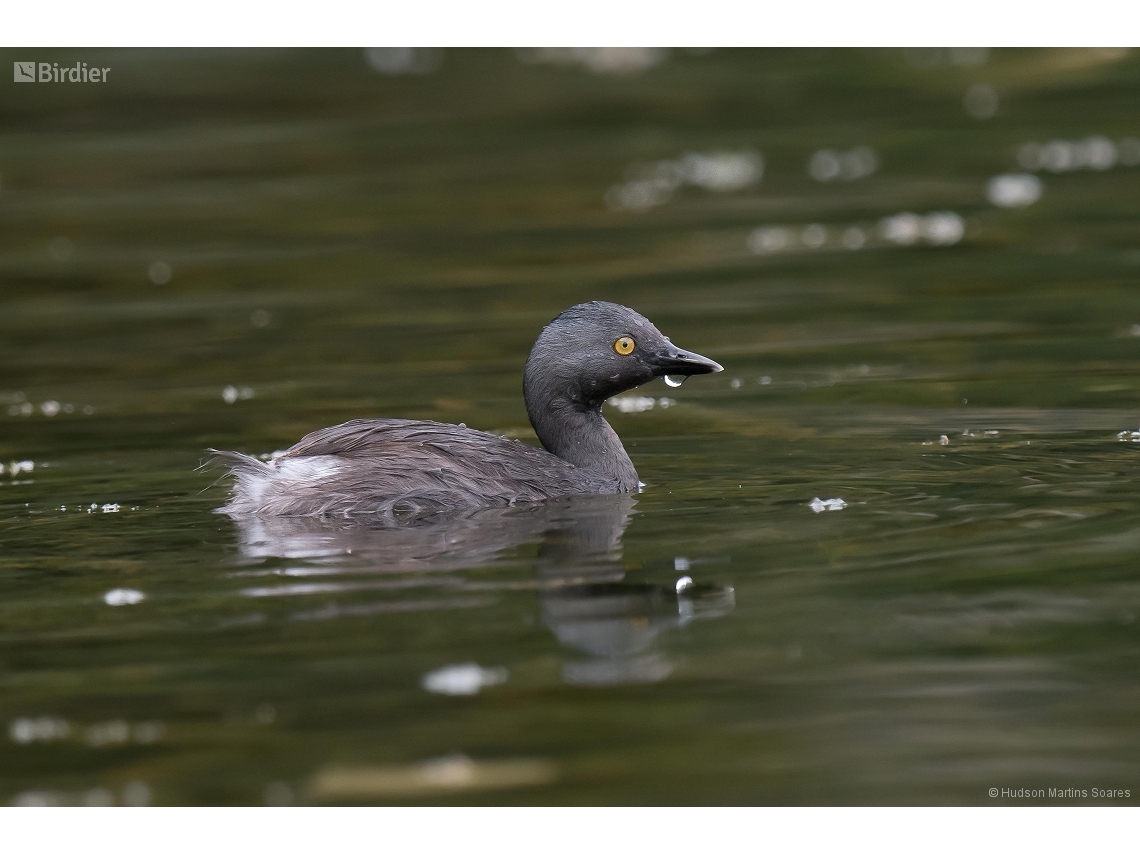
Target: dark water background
{"x": 230, "y": 249}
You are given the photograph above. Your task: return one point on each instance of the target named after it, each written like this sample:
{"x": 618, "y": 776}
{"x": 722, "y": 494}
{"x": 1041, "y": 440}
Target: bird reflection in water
{"x": 584, "y": 597}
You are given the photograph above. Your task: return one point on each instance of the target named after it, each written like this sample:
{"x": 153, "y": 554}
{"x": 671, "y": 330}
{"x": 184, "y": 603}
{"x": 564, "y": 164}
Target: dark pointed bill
{"x": 683, "y": 363}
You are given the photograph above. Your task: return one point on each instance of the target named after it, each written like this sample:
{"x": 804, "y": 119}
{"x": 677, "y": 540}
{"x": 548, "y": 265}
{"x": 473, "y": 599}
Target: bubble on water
{"x": 824, "y": 165}
{"x": 944, "y": 228}
{"x": 638, "y": 196}
{"x": 766, "y": 239}
{"x": 827, "y": 164}
{"x": 675, "y": 381}
{"x": 650, "y": 185}
{"x": 903, "y": 229}
{"x": 1099, "y": 153}
{"x": 24, "y": 731}
{"x": 123, "y": 597}
{"x": 944, "y": 440}
{"x": 981, "y": 101}
{"x": 853, "y": 238}
{"x": 465, "y": 679}
{"x": 721, "y": 170}
{"x": 684, "y": 583}
{"x": 160, "y": 273}
{"x": 735, "y": 383}
{"x": 1014, "y": 190}
{"x": 858, "y": 163}
{"x": 681, "y": 564}
{"x": 110, "y": 508}
{"x": 814, "y": 235}
{"x": 232, "y": 394}
{"x": 114, "y": 732}
{"x": 820, "y": 505}
{"x": 1058, "y": 156}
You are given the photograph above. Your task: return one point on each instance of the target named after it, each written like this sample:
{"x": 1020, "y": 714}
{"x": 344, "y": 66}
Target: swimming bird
{"x": 400, "y": 467}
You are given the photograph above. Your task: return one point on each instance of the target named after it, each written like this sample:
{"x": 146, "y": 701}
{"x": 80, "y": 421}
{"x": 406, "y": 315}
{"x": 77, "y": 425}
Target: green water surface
{"x": 230, "y": 249}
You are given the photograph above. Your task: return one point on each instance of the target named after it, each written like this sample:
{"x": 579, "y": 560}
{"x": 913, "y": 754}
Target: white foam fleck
{"x": 767, "y": 239}
{"x": 465, "y": 679}
{"x": 110, "y": 508}
{"x": 24, "y": 731}
{"x": 824, "y": 165}
{"x": 827, "y": 165}
{"x": 814, "y": 235}
{"x": 854, "y": 238}
{"x": 114, "y": 732}
{"x": 123, "y": 597}
{"x": 18, "y": 466}
{"x": 1014, "y": 190}
{"x": 820, "y": 505}
{"x": 649, "y": 185}
{"x": 903, "y": 229}
{"x": 944, "y": 228}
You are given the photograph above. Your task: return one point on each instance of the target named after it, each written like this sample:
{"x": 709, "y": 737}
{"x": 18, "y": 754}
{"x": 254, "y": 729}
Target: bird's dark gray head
{"x": 593, "y": 351}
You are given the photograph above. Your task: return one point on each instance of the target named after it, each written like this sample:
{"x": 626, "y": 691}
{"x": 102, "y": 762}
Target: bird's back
{"x": 397, "y": 467}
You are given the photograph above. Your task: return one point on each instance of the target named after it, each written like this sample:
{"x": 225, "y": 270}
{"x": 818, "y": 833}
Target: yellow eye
{"x": 624, "y": 345}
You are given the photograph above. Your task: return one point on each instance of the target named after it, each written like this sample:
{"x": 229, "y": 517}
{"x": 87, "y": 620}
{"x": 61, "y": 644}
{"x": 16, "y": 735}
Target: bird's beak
{"x": 673, "y": 360}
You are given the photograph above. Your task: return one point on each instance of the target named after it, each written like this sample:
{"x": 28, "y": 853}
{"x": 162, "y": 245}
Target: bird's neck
{"x": 580, "y": 435}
